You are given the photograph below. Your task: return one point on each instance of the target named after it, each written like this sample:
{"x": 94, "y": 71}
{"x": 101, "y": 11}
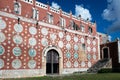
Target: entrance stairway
{"x": 103, "y": 63}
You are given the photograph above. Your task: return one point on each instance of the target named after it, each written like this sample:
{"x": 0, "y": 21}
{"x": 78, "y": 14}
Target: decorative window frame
{"x": 35, "y": 14}
{"x": 18, "y": 5}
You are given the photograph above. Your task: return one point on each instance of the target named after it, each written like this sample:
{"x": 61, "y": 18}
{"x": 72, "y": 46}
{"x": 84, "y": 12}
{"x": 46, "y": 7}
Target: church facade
{"x": 37, "y": 39}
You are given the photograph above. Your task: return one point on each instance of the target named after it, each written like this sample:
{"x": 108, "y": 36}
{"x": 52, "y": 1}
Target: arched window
{"x": 90, "y": 30}
{"x": 17, "y": 8}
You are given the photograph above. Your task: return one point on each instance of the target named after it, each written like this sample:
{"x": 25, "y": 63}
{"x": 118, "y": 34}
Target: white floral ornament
{"x": 94, "y": 49}
{"x": 16, "y": 63}
{"x": 53, "y": 36}
{"x": 83, "y": 64}
{"x": 76, "y": 64}
{"x": 68, "y": 46}
{"x": 32, "y": 52}
{"x": 68, "y": 55}
{"x": 75, "y": 55}
{"x": 94, "y": 43}
{"x": 32, "y": 64}
{"x": 82, "y": 40}
{"x": 44, "y": 42}
{"x": 89, "y": 49}
{"x": 44, "y": 31}
{"x": 2, "y": 24}
{"x": 75, "y": 47}
{"x": 60, "y": 44}
{"x": 17, "y": 51}
{"x": 2, "y": 50}
{"x": 68, "y": 64}
{"x": 18, "y": 28}
{"x": 17, "y": 39}
{"x": 88, "y": 41}
{"x": 68, "y": 37}
{"x": 94, "y": 57}
{"x": 61, "y": 35}
{"x": 89, "y": 64}
{"x": 32, "y": 41}
{"x": 32, "y": 30}
{"x": 2, "y": 37}
{"x": 1, "y": 63}
{"x": 76, "y": 39}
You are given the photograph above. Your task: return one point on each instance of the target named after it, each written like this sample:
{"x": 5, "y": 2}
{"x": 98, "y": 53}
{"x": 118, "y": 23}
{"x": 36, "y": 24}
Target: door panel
{"x": 52, "y": 64}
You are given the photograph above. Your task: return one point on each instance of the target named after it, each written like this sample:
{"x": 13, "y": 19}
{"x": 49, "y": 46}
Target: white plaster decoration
{"x": 1, "y": 63}
{"x": 32, "y": 41}
{"x": 68, "y": 55}
{"x": 17, "y": 51}
{"x": 82, "y": 40}
{"x": 76, "y": 55}
{"x": 32, "y": 64}
{"x": 83, "y": 64}
{"x": 2, "y": 37}
{"x": 94, "y": 42}
{"x": 94, "y": 57}
{"x": 68, "y": 46}
{"x": 60, "y": 44}
{"x": 16, "y": 63}
{"x": 88, "y": 41}
{"x": 32, "y": 30}
{"x": 94, "y": 49}
{"x": 2, "y": 24}
{"x": 17, "y": 39}
{"x": 89, "y": 64}
{"x": 61, "y": 35}
{"x": 76, "y": 39}
{"x": 68, "y": 64}
{"x": 89, "y": 57}
{"x": 53, "y": 36}
{"x": 44, "y": 42}
{"x": 32, "y": 52}
{"x": 44, "y": 31}
{"x": 76, "y": 64}
{"x": 18, "y": 28}
{"x": 68, "y": 37}
{"x": 2, "y": 50}
{"x": 89, "y": 49}
{"x": 76, "y": 47}
{"x": 42, "y": 23}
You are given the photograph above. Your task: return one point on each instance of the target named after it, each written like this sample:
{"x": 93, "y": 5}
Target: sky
{"x": 106, "y": 13}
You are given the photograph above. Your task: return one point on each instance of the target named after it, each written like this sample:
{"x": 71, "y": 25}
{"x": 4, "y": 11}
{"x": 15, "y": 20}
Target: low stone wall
{"x": 20, "y": 73}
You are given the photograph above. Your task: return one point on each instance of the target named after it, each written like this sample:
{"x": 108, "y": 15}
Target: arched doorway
{"x": 46, "y": 51}
{"x": 52, "y": 62}
{"x": 106, "y": 53}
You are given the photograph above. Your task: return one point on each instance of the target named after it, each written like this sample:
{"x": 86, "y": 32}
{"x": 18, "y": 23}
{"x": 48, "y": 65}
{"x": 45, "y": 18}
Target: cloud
{"x": 112, "y": 13}
{"x": 55, "y": 5}
{"x": 80, "y": 10}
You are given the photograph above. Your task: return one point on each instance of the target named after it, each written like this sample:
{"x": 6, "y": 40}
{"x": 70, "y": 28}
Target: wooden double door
{"x": 52, "y": 64}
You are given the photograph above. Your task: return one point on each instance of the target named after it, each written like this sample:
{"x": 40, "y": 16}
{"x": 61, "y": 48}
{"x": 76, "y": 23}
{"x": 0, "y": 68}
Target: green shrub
{"x": 105, "y": 70}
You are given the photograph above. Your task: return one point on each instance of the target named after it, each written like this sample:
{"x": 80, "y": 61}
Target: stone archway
{"x": 44, "y": 58}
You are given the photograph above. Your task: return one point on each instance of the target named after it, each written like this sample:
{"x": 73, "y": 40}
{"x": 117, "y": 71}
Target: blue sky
{"x": 104, "y": 12}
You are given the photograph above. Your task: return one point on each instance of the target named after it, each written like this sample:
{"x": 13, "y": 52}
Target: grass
{"x": 77, "y": 76}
